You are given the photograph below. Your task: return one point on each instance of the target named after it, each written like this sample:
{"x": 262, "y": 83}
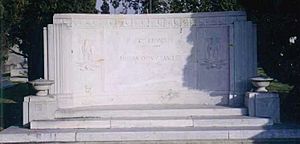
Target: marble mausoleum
{"x": 154, "y": 77}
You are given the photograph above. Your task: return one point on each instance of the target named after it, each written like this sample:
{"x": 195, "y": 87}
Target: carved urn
{"x": 261, "y": 83}
{"x": 42, "y": 86}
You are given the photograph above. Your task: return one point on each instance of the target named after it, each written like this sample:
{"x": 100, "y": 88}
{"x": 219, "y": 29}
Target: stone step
{"x": 151, "y": 122}
{"x": 144, "y": 135}
{"x": 149, "y": 111}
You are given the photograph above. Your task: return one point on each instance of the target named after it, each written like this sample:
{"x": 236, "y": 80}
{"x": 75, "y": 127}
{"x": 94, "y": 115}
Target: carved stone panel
{"x": 213, "y": 58}
{"x": 88, "y": 62}
{"x": 149, "y": 59}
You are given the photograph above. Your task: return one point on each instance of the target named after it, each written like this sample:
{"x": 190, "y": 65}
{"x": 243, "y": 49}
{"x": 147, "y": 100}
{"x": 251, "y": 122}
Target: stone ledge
{"x": 14, "y": 134}
{"x": 150, "y": 122}
{"x": 202, "y": 14}
{"x": 150, "y": 111}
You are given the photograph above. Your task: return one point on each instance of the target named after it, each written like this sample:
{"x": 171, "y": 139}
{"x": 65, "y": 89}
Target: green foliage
{"x": 105, "y": 7}
{"x": 278, "y": 45}
{"x": 24, "y": 21}
{"x": 10, "y": 15}
{"x": 204, "y": 5}
{"x": 38, "y": 14}
{"x": 16, "y": 93}
{"x": 181, "y": 6}
{"x": 2, "y": 55}
{"x": 276, "y": 86}
{"x": 277, "y": 22}
{"x": 11, "y": 103}
{"x": 155, "y": 6}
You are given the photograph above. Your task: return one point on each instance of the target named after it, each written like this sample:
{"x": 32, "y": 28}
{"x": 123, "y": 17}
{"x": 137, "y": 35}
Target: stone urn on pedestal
{"x": 42, "y": 86}
{"x": 261, "y": 83}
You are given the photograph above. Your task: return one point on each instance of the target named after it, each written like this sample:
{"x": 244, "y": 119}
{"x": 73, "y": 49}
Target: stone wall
{"x": 202, "y": 58}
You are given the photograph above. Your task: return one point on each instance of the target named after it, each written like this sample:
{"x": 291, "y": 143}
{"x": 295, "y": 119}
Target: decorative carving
{"x": 212, "y": 54}
{"x": 67, "y": 22}
{"x": 169, "y": 96}
{"x": 155, "y": 22}
{"x": 87, "y": 60}
{"x": 87, "y": 89}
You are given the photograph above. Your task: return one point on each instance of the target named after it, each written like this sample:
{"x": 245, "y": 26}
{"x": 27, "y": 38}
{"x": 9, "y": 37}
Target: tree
{"x": 11, "y": 12}
{"x": 176, "y": 6}
{"x": 24, "y": 21}
{"x": 278, "y": 42}
{"x": 2, "y": 55}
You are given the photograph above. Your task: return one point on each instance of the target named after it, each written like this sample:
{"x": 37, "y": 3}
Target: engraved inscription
{"x": 147, "y": 22}
{"x": 153, "y": 59}
{"x": 150, "y": 42}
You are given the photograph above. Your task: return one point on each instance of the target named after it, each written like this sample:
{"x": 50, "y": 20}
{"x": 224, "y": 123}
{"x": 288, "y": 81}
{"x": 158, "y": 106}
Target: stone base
{"x": 149, "y": 116}
{"x": 151, "y": 122}
{"x": 144, "y": 135}
{"x": 38, "y": 108}
{"x": 181, "y": 124}
{"x": 149, "y": 111}
{"x": 262, "y": 104}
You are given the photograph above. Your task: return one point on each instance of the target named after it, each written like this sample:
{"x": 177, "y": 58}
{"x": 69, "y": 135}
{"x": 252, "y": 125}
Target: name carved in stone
{"x": 145, "y": 22}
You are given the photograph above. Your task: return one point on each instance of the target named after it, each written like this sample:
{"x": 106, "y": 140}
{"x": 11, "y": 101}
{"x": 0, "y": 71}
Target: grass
{"x": 5, "y": 100}
{"x": 11, "y": 100}
{"x": 16, "y": 93}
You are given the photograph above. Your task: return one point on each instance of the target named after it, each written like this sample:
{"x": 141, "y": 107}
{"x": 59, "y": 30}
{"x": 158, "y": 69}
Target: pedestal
{"x": 263, "y": 104}
{"x": 38, "y": 108}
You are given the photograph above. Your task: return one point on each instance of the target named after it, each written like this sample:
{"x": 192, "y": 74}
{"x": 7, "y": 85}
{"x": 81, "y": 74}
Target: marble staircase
{"x": 149, "y": 111}
{"x": 150, "y": 116}
{"x": 151, "y": 123}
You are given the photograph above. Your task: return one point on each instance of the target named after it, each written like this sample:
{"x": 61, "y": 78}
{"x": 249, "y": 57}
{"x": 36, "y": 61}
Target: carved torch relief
{"x": 87, "y": 59}
{"x": 213, "y": 57}
{"x": 89, "y": 64}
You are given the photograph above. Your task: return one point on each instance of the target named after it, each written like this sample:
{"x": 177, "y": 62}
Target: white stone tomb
{"x": 154, "y": 77}
{"x": 160, "y": 59}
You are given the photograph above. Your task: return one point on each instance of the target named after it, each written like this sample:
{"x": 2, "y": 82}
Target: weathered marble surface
{"x": 39, "y": 108}
{"x": 158, "y": 135}
{"x": 203, "y": 58}
{"x": 152, "y": 122}
{"x": 262, "y": 104}
{"x": 149, "y": 111}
